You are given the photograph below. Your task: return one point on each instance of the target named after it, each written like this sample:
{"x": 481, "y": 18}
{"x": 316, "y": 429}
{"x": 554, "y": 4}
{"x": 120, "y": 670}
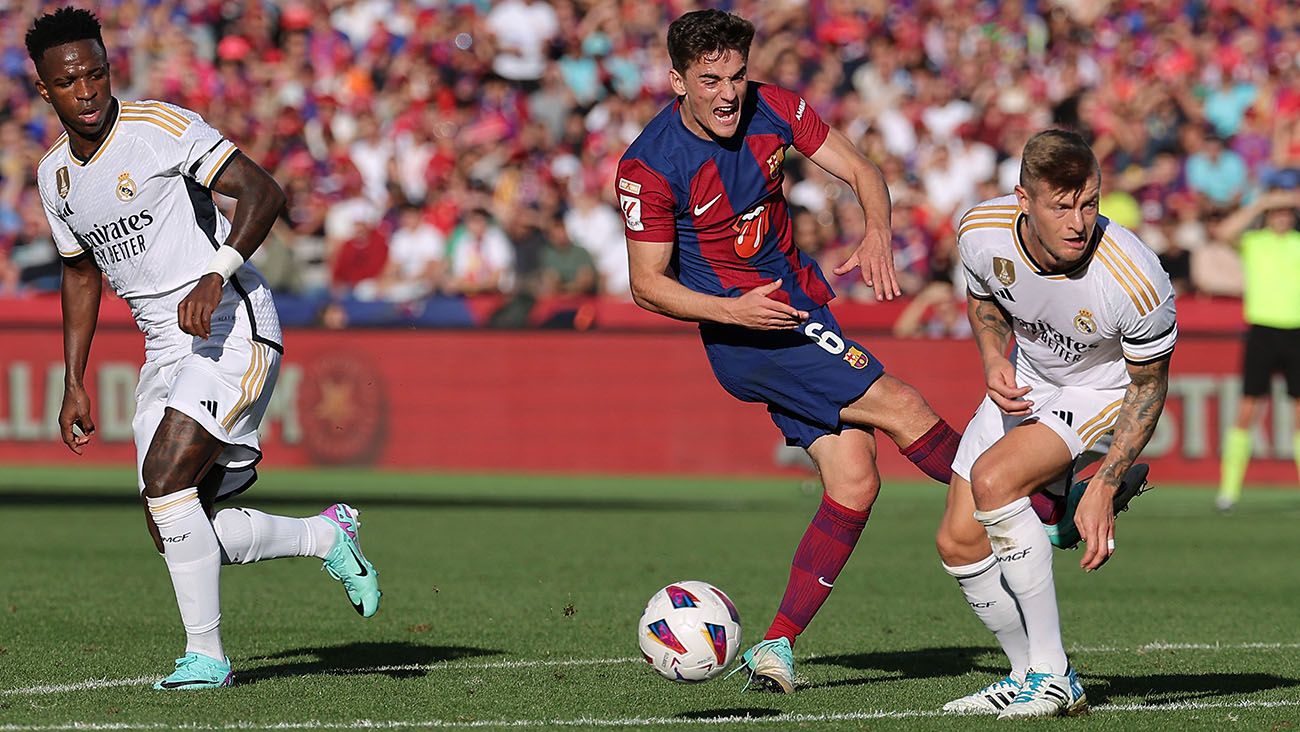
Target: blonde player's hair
{"x": 1059, "y": 159}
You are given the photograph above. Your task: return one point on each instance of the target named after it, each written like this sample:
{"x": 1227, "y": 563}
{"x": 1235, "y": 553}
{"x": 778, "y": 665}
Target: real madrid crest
{"x": 1005, "y": 270}
{"x": 62, "y": 181}
{"x": 125, "y": 187}
{"x": 1084, "y": 323}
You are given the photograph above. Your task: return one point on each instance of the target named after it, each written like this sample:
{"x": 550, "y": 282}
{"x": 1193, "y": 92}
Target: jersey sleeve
{"x": 807, "y": 129}
{"x": 647, "y": 203}
{"x": 70, "y": 250}
{"x": 976, "y": 285}
{"x": 1147, "y": 320}
{"x": 1148, "y": 338}
{"x": 199, "y": 152}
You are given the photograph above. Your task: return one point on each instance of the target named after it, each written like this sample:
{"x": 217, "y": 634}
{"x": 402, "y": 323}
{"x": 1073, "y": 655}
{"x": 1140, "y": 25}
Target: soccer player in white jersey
{"x": 1093, "y": 317}
{"x": 128, "y": 193}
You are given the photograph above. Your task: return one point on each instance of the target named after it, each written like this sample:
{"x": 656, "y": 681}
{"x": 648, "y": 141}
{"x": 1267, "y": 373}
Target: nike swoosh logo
{"x": 360, "y": 564}
{"x": 822, "y": 581}
{"x": 701, "y": 209}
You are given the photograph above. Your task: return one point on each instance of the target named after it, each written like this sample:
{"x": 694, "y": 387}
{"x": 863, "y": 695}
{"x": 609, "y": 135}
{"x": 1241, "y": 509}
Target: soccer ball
{"x": 689, "y": 632}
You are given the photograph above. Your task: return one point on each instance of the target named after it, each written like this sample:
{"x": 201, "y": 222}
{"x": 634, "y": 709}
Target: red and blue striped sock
{"x": 934, "y": 451}
{"x": 822, "y": 553}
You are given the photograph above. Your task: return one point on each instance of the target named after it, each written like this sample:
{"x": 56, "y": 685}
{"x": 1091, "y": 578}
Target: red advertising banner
{"x": 563, "y": 402}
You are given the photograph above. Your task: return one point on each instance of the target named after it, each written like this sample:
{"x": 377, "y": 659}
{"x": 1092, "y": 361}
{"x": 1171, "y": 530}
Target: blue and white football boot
{"x": 990, "y": 700}
{"x": 1048, "y": 695}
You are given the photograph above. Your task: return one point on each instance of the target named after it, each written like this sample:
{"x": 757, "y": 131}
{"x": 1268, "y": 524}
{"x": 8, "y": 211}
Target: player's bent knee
{"x": 990, "y": 486}
{"x": 857, "y": 492}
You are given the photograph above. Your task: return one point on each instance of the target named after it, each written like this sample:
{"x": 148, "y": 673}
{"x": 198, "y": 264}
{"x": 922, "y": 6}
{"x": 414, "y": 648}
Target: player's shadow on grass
{"x": 922, "y": 663}
{"x": 1177, "y": 688}
{"x": 395, "y": 660}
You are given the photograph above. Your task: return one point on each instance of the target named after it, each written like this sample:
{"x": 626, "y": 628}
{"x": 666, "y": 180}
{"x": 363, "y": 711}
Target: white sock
{"x": 194, "y": 560}
{"x": 248, "y": 535}
{"x": 1025, "y": 556}
{"x": 987, "y": 594}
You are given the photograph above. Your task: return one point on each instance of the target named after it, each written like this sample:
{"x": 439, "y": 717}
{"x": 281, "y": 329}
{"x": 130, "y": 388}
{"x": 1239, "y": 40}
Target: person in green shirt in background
{"x": 1270, "y": 258}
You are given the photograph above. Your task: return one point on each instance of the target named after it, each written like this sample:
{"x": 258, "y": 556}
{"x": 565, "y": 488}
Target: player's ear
{"x": 1022, "y": 197}
{"x": 42, "y": 90}
{"x": 678, "y": 82}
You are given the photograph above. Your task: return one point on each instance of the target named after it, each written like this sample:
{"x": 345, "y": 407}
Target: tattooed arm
{"x": 991, "y": 328}
{"x": 1144, "y": 400}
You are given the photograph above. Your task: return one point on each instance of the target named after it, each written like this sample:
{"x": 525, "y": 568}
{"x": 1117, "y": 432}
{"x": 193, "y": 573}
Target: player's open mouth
{"x": 726, "y": 115}
{"x": 1077, "y": 242}
{"x": 90, "y": 116}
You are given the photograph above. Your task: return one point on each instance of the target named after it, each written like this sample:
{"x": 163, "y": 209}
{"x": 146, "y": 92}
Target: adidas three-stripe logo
{"x": 1000, "y": 699}
{"x": 210, "y": 405}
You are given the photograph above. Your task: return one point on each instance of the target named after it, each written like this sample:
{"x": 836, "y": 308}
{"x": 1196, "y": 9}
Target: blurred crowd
{"x": 444, "y": 148}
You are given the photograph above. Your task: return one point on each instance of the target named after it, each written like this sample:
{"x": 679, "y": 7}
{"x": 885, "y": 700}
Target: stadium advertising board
{"x": 561, "y": 402}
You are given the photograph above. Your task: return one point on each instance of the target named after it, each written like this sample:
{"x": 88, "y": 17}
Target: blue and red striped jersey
{"x": 719, "y": 202}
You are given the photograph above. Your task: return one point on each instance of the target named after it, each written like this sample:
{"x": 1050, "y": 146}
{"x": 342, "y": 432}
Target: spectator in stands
{"x": 416, "y": 266}
{"x": 597, "y": 227}
{"x": 567, "y": 269}
{"x": 1217, "y": 173}
{"x": 479, "y": 256}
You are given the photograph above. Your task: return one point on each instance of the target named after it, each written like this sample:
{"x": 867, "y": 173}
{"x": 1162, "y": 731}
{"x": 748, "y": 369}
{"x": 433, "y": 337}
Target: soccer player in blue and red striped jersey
{"x": 709, "y": 240}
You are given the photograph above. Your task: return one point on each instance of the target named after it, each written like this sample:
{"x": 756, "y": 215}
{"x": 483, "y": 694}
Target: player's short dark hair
{"x": 706, "y": 32}
{"x": 65, "y": 25}
{"x": 1060, "y": 159}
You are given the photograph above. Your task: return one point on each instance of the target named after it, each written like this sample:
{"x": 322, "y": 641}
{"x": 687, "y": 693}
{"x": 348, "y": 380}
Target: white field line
{"x": 92, "y": 684}
{"x": 623, "y": 721}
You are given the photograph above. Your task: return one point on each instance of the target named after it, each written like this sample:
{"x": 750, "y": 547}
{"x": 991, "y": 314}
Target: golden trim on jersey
{"x": 984, "y": 225}
{"x": 1090, "y": 431}
{"x": 160, "y": 109}
{"x": 53, "y": 148}
{"x": 208, "y": 183}
{"x": 117, "y": 122}
{"x": 986, "y": 214}
{"x": 1130, "y": 276}
{"x": 155, "y": 121}
{"x": 251, "y": 386}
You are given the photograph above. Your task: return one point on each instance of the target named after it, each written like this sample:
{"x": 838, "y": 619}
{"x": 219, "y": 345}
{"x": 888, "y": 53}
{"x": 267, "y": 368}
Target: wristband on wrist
{"x": 225, "y": 262}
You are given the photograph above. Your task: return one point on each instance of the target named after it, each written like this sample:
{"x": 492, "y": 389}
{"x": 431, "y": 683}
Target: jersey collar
{"x": 1041, "y": 271}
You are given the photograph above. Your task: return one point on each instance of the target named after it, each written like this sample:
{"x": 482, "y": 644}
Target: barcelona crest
{"x": 856, "y": 358}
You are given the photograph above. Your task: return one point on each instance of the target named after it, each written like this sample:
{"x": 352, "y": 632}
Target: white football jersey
{"x": 142, "y": 207}
{"x": 1077, "y": 328}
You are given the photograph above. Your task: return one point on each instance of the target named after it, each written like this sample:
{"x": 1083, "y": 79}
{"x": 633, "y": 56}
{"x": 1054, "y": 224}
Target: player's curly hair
{"x": 1061, "y": 159}
{"x": 64, "y": 25}
{"x": 706, "y": 32}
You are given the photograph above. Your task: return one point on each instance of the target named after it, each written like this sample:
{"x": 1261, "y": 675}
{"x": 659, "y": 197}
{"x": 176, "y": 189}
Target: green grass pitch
{"x": 512, "y": 601}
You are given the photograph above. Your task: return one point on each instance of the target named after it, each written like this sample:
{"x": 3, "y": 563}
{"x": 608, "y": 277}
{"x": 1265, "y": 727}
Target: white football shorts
{"x": 1082, "y": 417}
{"x": 223, "y": 384}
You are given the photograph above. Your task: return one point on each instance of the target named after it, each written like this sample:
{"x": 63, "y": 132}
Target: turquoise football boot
{"x": 347, "y": 564}
{"x": 771, "y": 666}
{"x": 196, "y": 671}
{"x": 1065, "y": 535}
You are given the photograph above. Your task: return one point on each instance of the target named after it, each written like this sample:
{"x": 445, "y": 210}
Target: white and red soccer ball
{"x": 689, "y": 632}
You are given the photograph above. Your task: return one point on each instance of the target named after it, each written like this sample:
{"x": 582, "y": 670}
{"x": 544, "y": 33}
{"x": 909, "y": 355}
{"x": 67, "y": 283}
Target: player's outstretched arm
{"x": 657, "y": 291}
{"x": 1144, "y": 400}
{"x": 259, "y": 201}
{"x": 991, "y": 329}
{"x": 875, "y": 254}
{"x": 79, "y": 292}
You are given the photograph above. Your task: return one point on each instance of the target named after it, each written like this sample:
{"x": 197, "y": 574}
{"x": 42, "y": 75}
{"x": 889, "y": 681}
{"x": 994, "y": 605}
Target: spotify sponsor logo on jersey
{"x": 115, "y": 241}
